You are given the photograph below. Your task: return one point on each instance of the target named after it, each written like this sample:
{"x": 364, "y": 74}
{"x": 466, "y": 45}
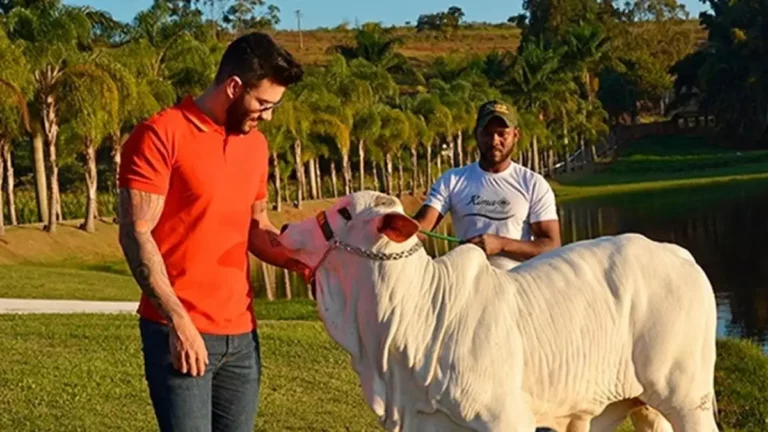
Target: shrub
{"x": 741, "y": 383}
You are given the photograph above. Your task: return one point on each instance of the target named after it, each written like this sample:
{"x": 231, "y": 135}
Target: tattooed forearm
{"x": 263, "y": 240}
{"x": 139, "y": 213}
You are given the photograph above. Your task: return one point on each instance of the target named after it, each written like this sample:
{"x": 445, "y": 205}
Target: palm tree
{"x": 438, "y": 119}
{"x": 367, "y": 126}
{"x": 53, "y": 36}
{"x": 378, "y": 46}
{"x": 292, "y": 123}
{"x": 15, "y": 82}
{"x": 394, "y": 132}
{"x": 418, "y": 132}
{"x": 91, "y": 109}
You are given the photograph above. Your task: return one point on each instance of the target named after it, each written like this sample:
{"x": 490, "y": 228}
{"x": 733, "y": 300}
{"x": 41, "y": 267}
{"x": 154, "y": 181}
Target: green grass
{"x": 84, "y": 372}
{"x": 664, "y": 163}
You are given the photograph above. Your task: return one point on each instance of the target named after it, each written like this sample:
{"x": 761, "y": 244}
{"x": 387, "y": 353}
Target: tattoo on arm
{"x": 139, "y": 213}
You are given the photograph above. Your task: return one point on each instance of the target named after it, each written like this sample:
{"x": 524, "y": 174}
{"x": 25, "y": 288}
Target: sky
{"x": 330, "y": 13}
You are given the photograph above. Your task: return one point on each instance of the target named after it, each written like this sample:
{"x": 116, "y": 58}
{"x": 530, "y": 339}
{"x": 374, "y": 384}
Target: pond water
{"x": 724, "y": 227}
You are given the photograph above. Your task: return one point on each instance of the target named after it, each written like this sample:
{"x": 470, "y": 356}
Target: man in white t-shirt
{"x": 504, "y": 208}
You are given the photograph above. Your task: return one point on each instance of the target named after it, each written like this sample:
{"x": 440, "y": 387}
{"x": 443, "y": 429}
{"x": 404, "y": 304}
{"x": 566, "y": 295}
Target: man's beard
{"x": 237, "y": 117}
{"x": 490, "y": 158}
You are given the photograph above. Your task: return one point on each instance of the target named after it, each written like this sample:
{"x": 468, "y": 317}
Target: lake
{"x": 724, "y": 227}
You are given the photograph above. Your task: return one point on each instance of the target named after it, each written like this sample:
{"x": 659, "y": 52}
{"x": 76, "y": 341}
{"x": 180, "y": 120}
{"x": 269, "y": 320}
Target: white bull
{"x": 575, "y": 339}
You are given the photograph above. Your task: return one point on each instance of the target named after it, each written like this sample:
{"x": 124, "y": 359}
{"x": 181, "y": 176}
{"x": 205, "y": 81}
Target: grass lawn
{"x": 664, "y": 163}
{"x": 84, "y": 372}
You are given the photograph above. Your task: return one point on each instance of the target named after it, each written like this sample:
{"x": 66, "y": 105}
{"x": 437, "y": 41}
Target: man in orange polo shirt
{"x": 193, "y": 203}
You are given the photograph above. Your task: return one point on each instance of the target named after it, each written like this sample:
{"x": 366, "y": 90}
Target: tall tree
{"x": 91, "y": 109}
{"x": 54, "y": 36}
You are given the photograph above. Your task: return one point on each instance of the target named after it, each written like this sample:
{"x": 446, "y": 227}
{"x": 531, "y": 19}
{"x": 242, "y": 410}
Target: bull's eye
{"x": 345, "y": 214}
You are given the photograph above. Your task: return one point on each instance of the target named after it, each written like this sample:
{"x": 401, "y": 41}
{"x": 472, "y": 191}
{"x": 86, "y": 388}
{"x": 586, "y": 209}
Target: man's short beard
{"x": 236, "y": 116}
{"x": 488, "y": 157}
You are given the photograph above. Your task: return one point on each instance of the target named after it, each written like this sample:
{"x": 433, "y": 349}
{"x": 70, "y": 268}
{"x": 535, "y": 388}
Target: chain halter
{"x": 333, "y": 243}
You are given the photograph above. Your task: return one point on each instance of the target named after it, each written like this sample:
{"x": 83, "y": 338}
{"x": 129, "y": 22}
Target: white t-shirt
{"x": 505, "y": 203}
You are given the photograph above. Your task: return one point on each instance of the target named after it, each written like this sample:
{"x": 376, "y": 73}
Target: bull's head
{"x": 352, "y": 247}
{"x": 366, "y": 221}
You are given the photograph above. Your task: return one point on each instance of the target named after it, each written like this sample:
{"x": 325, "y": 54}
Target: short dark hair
{"x": 255, "y": 57}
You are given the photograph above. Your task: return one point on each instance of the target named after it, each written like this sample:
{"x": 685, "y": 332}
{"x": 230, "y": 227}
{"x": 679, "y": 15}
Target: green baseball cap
{"x": 493, "y": 109}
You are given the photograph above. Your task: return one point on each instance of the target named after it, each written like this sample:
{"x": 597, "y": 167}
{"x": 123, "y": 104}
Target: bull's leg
{"x": 614, "y": 415}
{"x": 647, "y": 419}
{"x": 578, "y": 425}
{"x": 517, "y": 418}
{"x": 694, "y": 421}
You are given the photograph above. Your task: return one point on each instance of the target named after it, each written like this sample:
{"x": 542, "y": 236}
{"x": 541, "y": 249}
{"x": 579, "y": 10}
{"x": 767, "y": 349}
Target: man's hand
{"x": 188, "y": 352}
{"x": 491, "y": 244}
{"x": 264, "y": 243}
{"x": 547, "y": 237}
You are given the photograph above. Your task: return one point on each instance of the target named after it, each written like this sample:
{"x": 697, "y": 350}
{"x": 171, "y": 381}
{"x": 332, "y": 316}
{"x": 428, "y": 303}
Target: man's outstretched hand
{"x": 491, "y": 244}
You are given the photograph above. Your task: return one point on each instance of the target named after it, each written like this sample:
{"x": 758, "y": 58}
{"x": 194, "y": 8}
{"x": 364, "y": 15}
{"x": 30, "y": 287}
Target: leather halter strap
{"x": 325, "y": 227}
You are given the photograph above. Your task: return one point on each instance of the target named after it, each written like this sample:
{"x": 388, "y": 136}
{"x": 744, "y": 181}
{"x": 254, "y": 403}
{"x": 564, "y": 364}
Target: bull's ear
{"x": 398, "y": 227}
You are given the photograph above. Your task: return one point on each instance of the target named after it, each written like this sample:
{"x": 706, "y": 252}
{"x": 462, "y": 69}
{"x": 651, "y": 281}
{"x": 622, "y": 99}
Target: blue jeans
{"x": 224, "y": 399}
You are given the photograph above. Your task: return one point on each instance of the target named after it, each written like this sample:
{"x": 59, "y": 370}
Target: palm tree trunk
{"x": 389, "y": 173}
{"x": 551, "y": 162}
{"x": 268, "y": 285}
{"x": 319, "y": 175}
{"x": 117, "y": 147}
{"x": 429, "y": 163}
{"x": 312, "y": 178}
{"x": 287, "y": 282}
{"x": 41, "y": 183}
{"x": 286, "y": 185}
{"x": 7, "y": 157}
{"x": 375, "y": 177}
{"x": 452, "y": 146}
{"x": 2, "y": 213}
{"x": 439, "y": 162}
{"x": 400, "y": 178}
{"x": 415, "y": 169}
{"x": 305, "y": 189}
{"x": 51, "y": 130}
{"x": 333, "y": 179}
{"x": 91, "y": 182}
{"x": 299, "y": 173}
{"x": 276, "y": 173}
{"x": 361, "y": 152}
{"x": 535, "y": 155}
{"x": 346, "y": 171}
{"x": 460, "y": 147}
{"x": 529, "y": 158}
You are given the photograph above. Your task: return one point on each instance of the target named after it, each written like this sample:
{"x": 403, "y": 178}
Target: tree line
{"x": 76, "y": 82}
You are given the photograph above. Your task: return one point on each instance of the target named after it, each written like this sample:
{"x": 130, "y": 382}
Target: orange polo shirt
{"x": 209, "y": 180}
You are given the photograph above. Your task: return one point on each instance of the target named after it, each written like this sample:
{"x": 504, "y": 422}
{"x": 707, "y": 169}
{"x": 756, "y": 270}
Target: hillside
{"x": 417, "y": 46}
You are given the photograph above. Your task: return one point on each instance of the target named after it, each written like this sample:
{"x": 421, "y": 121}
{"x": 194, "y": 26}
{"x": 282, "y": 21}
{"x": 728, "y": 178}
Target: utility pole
{"x": 298, "y": 20}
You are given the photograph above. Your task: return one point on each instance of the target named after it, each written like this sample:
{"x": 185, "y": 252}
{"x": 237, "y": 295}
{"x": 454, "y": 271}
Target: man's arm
{"x": 428, "y": 217}
{"x": 546, "y": 238}
{"x": 436, "y": 205}
{"x": 139, "y": 213}
{"x": 264, "y": 244}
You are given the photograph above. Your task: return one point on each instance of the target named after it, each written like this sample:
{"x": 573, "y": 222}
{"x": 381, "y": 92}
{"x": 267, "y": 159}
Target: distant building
{"x": 689, "y": 115}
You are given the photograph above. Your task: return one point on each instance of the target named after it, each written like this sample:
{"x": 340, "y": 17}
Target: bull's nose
{"x": 283, "y": 228}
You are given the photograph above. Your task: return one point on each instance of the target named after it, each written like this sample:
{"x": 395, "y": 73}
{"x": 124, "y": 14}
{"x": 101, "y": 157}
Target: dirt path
{"x": 8, "y": 306}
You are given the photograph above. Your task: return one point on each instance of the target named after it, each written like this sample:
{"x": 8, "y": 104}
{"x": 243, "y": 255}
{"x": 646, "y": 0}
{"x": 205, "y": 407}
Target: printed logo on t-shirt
{"x": 493, "y": 209}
